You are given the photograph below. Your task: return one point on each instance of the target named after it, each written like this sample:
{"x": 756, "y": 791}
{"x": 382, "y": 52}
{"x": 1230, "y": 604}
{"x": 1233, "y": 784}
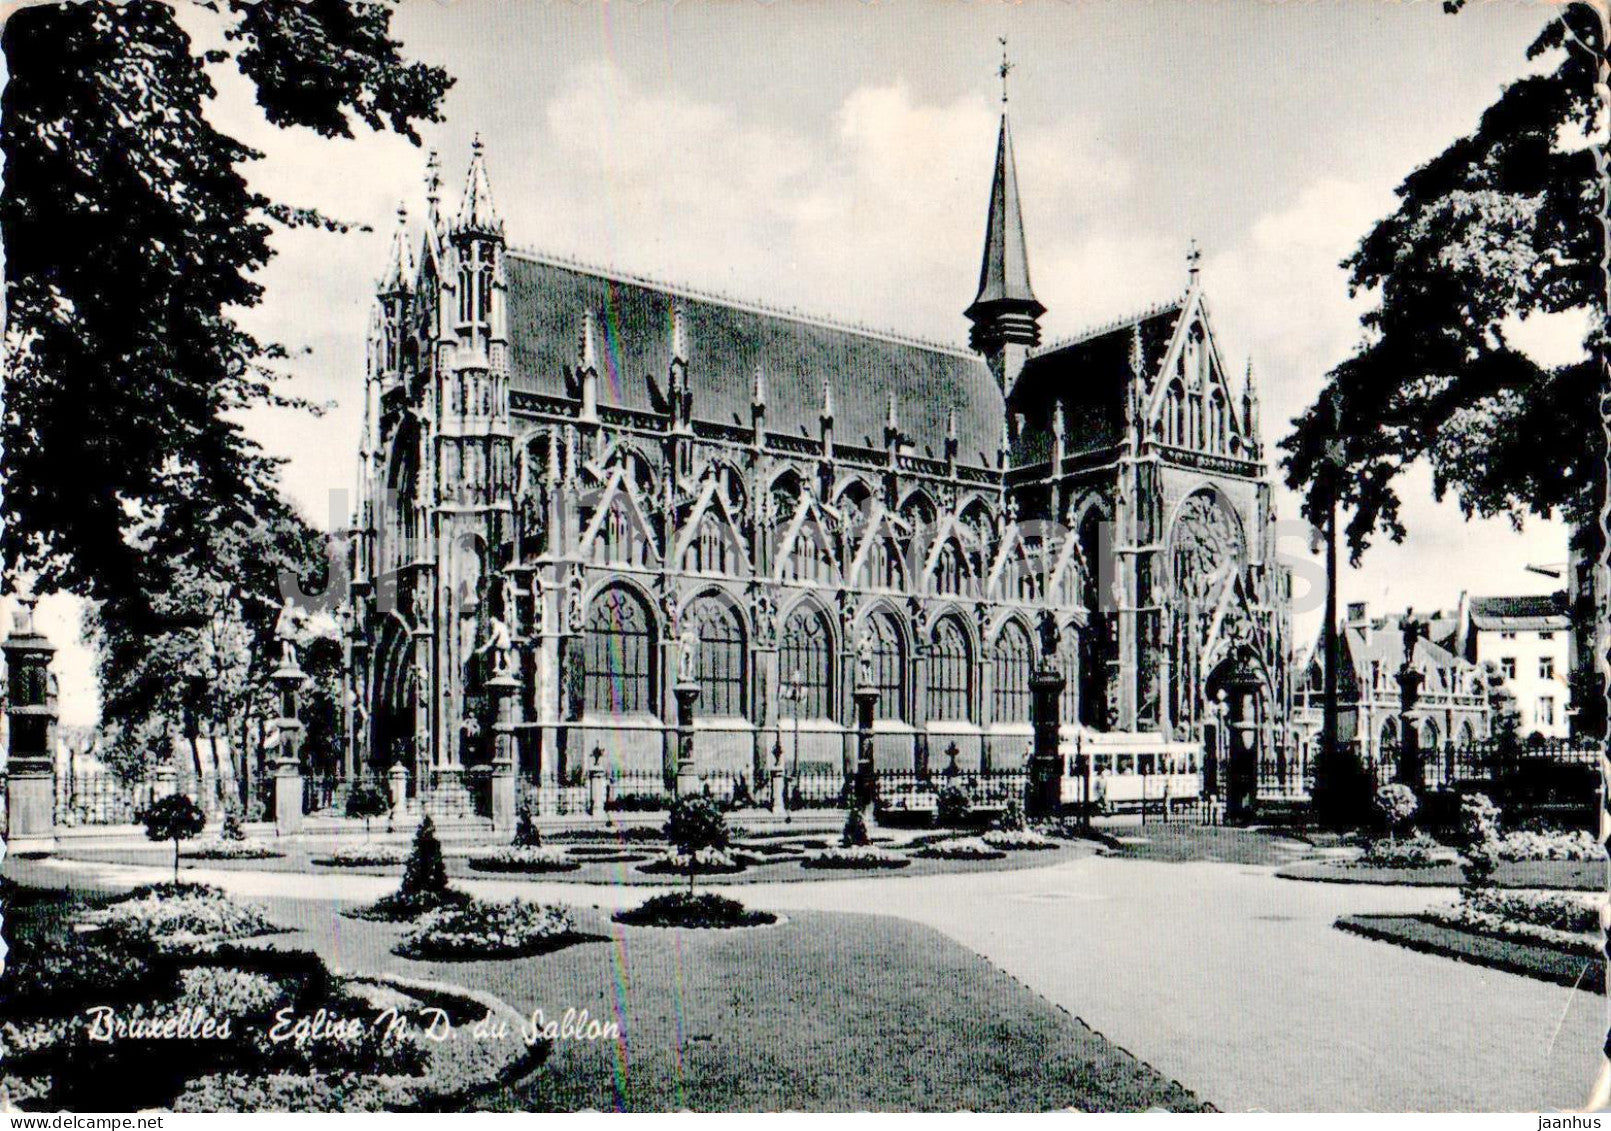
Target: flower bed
{"x": 681, "y": 909}
{"x": 231, "y": 850}
{"x": 636, "y": 834}
{"x": 181, "y": 916}
{"x": 399, "y": 908}
{"x": 1573, "y": 845}
{"x": 489, "y": 929}
{"x": 705, "y": 862}
{"x": 860, "y": 856}
{"x": 523, "y": 859}
{"x": 1410, "y": 852}
{"x": 969, "y": 848}
{"x": 364, "y": 856}
{"x": 1018, "y": 840}
{"x": 1570, "y": 923}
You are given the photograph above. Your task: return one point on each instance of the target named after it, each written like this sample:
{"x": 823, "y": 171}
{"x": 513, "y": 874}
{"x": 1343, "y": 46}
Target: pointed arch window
{"x": 889, "y": 667}
{"x": 809, "y": 555}
{"x": 1010, "y": 662}
{"x": 1174, "y": 415}
{"x": 1218, "y": 421}
{"x": 805, "y": 660}
{"x": 618, "y": 654}
{"x": 1068, "y": 661}
{"x": 950, "y": 674}
{"x": 710, "y": 549}
{"x": 884, "y": 566}
{"x": 950, "y": 572}
{"x": 721, "y": 664}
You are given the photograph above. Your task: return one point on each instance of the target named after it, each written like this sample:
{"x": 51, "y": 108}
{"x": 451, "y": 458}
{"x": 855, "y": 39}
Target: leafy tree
{"x": 1501, "y": 224}
{"x": 132, "y": 244}
{"x": 696, "y": 825}
{"x": 365, "y": 802}
{"x": 425, "y": 874}
{"x": 174, "y": 818}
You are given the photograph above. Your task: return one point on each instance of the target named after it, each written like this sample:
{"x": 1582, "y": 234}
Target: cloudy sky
{"x": 835, "y": 157}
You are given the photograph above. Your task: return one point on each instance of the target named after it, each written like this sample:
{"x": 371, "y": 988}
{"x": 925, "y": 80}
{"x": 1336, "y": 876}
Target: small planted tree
{"x": 527, "y": 835}
{"x": 1397, "y": 805}
{"x": 425, "y": 878}
{"x": 1479, "y": 837}
{"x": 174, "y": 818}
{"x": 366, "y": 802}
{"x": 855, "y": 834}
{"x": 696, "y": 825}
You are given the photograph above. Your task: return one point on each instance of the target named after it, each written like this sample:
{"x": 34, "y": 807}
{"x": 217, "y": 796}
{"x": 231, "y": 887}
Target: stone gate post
{"x": 31, "y": 746}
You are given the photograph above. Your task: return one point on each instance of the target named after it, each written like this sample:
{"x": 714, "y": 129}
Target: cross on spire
{"x": 1194, "y": 257}
{"x": 1004, "y": 69}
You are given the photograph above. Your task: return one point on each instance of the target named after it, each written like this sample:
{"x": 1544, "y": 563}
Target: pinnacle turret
{"x": 477, "y": 213}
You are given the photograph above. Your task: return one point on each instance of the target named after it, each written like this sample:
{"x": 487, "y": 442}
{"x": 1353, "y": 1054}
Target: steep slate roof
{"x": 1091, "y": 373}
{"x": 727, "y": 340}
{"x": 1527, "y": 614}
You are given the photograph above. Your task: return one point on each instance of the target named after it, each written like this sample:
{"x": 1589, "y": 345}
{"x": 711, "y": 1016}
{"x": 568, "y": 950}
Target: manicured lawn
{"x": 1178, "y": 842}
{"x": 299, "y": 855}
{"x": 824, "y": 1012}
{"x": 1516, "y": 957}
{"x": 1573, "y": 875}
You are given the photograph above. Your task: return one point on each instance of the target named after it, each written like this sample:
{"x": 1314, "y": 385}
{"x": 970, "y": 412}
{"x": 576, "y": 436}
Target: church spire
{"x": 1005, "y": 312}
{"x": 399, "y": 277}
{"x": 477, "y": 213}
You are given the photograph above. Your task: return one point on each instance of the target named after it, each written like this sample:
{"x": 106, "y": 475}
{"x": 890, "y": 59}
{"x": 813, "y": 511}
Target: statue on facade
{"x": 1050, "y": 639}
{"x": 500, "y": 643}
{"x": 285, "y": 633}
{"x": 688, "y": 654}
{"x": 865, "y": 646}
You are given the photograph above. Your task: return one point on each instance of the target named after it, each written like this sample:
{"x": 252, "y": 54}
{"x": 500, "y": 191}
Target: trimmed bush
{"x": 516, "y": 858}
{"x": 527, "y": 835}
{"x": 684, "y": 909}
{"x": 697, "y": 829}
{"x": 954, "y": 807}
{"x": 1396, "y": 804}
{"x": 1012, "y": 819}
{"x": 855, "y": 834}
{"x": 1479, "y": 839}
{"x": 365, "y": 802}
{"x": 425, "y": 873}
{"x": 489, "y": 929}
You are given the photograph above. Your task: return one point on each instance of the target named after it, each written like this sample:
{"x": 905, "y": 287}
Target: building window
{"x": 1009, "y": 671}
{"x": 884, "y": 566}
{"x": 619, "y": 654}
{"x": 1507, "y": 666}
{"x": 1546, "y": 635}
{"x": 1546, "y": 667}
{"x": 1546, "y": 711}
{"x": 805, "y": 659}
{"x": 1507, "y": 636}
{"x": 720, "y": 667}
{"x": 950, "y": 674}
{"x": 889, "y": 667}
{"x": 948, "y": 571}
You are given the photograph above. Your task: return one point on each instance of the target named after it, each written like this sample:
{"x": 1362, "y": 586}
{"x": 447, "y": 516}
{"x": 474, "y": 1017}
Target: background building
{"x": 1529, "y": 639}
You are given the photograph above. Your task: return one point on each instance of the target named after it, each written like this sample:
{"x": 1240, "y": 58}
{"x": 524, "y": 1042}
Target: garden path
{"x": 1222, "y": 976}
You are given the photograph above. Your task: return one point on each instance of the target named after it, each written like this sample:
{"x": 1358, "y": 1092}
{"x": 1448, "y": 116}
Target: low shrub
{"x": 1018, "y": 840}
{"x": 364, "y": 856}
{"x": 954, "y": 807}
{"x": 855, "y": 834}
{"x": 684, "y": 909}
{"x": 971, "y": 848}
{"x": 1012, "y": 818}
{"x": 489, "y": 929}
{"x": 856, "y": 856}
{"x": 1411, "y": 852}
{"x": 1396, "y": 804}
{"x": 226, "y": 848}
{"x": 1562, "y": 922}
{"x": 513, "y": 858}
{"x": 181, "y": 916}
{"x": 400, "y": 908}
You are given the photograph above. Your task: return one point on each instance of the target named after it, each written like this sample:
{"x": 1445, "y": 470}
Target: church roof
{"x": 727, "y": 342}
{"x": 1090, "y": 373}
{"x": 1004, "y": 271}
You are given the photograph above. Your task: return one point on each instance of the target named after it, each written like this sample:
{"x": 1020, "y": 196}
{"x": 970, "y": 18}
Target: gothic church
{"x": 583, "y": 480}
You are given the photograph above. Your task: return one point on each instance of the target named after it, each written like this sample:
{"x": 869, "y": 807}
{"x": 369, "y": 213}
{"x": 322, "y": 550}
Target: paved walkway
{"x": 1221, "y": 976}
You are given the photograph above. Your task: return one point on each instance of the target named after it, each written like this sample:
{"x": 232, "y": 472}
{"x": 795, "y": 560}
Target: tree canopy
{"x": 1502, "y": 224}
{"x": 132, "y": 240}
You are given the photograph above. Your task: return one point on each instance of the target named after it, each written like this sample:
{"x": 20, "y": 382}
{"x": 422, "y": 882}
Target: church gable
{"x": 805, "y": 552}
{"x": 1191, "y": 404}
{"x": 619, "y": 532}
{"x": 712, "y": 543}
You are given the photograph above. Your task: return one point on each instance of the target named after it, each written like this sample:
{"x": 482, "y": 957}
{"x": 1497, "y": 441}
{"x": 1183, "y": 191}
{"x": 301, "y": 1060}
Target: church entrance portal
{"x": 392, "y": 739}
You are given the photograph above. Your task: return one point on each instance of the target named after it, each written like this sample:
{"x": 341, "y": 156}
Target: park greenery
{"x": 176, "y": 818}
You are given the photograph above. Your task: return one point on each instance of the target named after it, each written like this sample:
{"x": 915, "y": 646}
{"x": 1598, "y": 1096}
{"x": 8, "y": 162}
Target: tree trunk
{"x": 176, "y": 861}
